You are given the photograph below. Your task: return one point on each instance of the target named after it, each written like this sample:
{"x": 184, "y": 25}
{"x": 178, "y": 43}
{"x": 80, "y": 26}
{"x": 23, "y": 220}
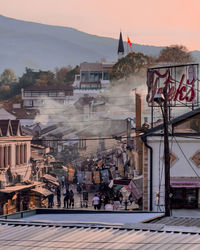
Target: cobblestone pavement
{"x": 78, "y": 201}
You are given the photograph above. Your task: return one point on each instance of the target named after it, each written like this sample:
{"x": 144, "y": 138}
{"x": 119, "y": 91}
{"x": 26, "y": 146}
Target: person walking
{"x": 63, "y": 181}
{"x": 99, "y": 205}
{"x": 95, "y": 201}
{"x": 58, "y": 193}
{"x": 66, "y": 198}
{"x": 116, "y": 202}
{"x": 71, "y": 199}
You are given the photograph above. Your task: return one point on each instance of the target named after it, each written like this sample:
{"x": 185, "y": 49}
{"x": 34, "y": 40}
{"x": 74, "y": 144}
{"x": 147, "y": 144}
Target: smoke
{"x": 116, "y": 103}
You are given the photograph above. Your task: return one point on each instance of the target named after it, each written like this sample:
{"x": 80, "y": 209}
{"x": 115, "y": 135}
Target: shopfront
{"x": 185, "y": 193}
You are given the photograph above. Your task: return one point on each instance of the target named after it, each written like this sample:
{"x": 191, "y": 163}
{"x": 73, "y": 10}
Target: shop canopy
{"x": 16, "y": 188}
{"x": 51, "y": 179}
{"x": 185, "y": 183}
{"x": 42, "y": 191}
{"x": 131, "y": 186}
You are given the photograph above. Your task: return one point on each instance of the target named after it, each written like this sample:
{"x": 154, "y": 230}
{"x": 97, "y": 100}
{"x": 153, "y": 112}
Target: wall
{"x": 180, "y": 167}
{"x": 18, "y": 166}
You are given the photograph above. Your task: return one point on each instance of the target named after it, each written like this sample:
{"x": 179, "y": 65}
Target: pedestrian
{"x": 63, "y": 181}
{"x": 79, "y": 189}
{"x": 95, "y": 201}
{"x": 50, "y": 200}
{"x": 71, "y": 199}
{"x": 66, "y": 198}
{"x": 58, "y": 193}
{"x": 99, "y": 205}
{"x": 105, "y": 200}
{"x": 116, "y": 202}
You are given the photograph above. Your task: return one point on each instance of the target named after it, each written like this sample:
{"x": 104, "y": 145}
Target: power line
{"x": 185, "y": 156}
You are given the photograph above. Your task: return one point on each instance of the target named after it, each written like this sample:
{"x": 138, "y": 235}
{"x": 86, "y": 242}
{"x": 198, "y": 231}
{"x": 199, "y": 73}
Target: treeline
{"x": 10, "y": 85}
{"x": 134, "y": 63}
{"x": 131, "y": 64}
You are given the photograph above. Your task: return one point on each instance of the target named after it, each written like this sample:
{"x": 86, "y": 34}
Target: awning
{"x": 118, "y": 187}
{"x": 43, "y": 191}
{"x": 134, "y": 190}
{"x": 51, "y": 179}
{"x": 16, "y": 188}
{"x": 185, "y": 183}
{"x": 122, "y": 182}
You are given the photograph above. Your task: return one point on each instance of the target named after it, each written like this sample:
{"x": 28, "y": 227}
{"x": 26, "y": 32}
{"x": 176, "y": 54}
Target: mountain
{"x": 39, "y": 46}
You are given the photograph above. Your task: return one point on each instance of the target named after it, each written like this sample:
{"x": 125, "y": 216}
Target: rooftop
{"x": 30, "y": 233}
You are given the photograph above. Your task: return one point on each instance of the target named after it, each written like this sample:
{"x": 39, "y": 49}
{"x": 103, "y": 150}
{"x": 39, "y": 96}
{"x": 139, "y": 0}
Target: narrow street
{"x": 79, "y": 203}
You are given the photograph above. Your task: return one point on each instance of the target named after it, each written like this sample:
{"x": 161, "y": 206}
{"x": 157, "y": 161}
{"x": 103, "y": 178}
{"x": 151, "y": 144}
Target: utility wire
{"x": 185, "y": 156}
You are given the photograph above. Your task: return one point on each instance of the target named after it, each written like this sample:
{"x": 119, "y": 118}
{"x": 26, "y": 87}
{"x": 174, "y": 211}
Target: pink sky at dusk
{"x": 150, "y": 22}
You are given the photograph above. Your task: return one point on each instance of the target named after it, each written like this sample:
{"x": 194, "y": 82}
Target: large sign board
{"x": 181, "y": 81}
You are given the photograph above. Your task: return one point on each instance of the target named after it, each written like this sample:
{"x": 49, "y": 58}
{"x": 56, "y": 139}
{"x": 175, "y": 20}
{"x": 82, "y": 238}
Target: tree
{"x": 4, "y": 92}
{"x": 71, "y": 75}
{"x": 8, "y": 77}
{"x": 61, "y": 74}
{"x": 130, "y": 64}
{"x": 175, "y": 54}
{"x": 66, "y": 75}
{"x": 45, "y": 78}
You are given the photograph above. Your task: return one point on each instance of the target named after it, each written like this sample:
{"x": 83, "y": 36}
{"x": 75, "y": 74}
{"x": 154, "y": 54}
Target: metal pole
{"x": 128, "y": 131}
{"x": 167, "y": 155}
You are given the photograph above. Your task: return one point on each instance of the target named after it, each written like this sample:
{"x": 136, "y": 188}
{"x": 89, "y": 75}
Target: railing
{"x": 78, "y": 88}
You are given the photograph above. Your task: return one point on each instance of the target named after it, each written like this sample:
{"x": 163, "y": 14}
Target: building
{"x": 15, "y": 167}
{"x": 25, "y": 115}
{"x": 184, "y": 142}
{"x": 92, "y": 80}
{"x": 14, "y": 153}
{"x": 39, "y": 96}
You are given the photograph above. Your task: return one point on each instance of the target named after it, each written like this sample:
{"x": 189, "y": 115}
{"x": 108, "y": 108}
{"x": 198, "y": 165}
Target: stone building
{"x": 14, "y": 153}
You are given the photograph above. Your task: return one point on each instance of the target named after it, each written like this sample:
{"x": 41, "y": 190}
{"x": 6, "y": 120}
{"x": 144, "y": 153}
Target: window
{"x": 52, "y": 93}
{"x": 27, "y": 93}
{"x": 35, "y": 93}
{"x": 61, "y": 93}
{"x": 95, "y": 76}
{"x": 82, "y": 143}
{"x": 106, "y": 75}
{"x": 101, "y": 144}
{"x": 84, "y": 76}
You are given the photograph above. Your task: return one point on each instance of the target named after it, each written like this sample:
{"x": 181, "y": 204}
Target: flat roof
{"x": 111, "y": 218}
{"x": 29, "y": 233}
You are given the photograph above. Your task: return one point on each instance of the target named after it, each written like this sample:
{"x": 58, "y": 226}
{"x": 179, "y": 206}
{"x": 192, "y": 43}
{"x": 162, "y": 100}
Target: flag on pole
{"x": 129, "y": 42}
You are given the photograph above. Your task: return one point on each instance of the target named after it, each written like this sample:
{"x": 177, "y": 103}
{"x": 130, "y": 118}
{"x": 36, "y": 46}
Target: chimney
{"x": 139, "y": 143}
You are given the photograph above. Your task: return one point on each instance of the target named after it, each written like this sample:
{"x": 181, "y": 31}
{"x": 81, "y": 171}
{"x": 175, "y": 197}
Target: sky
{"x": 149, "y": 22}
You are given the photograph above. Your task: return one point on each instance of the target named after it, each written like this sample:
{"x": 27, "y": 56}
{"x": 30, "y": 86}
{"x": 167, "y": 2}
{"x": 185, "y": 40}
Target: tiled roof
{"x": 176, "y": 120}
{"x": 21, "y": 113}
{"x": 6, "y": 128}
{"x": 10, "y": 128}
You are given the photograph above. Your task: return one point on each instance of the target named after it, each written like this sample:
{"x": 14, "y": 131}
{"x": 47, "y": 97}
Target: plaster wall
{"x": 180, "y": 167}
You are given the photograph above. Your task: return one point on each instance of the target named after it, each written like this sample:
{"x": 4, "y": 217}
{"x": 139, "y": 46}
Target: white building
{"x": 93, "y": 79}
{"x": 39, "y": 96}
{"x": 184, "y": 141}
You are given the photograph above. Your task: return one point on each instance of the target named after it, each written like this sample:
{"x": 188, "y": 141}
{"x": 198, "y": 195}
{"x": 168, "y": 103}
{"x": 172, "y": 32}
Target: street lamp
{"x": 162, "y": 98}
